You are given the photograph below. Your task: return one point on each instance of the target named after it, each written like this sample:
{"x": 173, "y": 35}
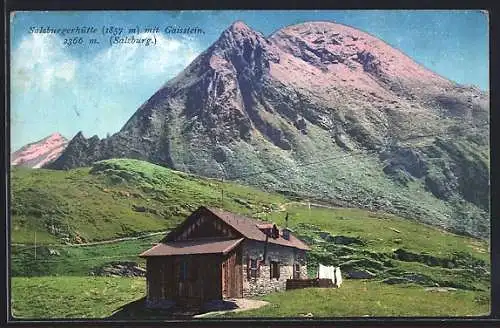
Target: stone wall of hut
{"x": 263, "y": 283}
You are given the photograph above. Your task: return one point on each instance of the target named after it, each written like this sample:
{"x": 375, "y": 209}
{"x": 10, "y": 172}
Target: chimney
{"x": 286, "y": 234}
{"x": 275, "y": 232}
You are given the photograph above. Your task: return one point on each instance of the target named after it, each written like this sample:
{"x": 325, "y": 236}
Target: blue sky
{"x": 95, "y": 89}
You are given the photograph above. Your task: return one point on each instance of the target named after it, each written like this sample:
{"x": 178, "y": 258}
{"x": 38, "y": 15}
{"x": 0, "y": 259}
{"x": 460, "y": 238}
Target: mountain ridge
{"x": 249, "y": 104}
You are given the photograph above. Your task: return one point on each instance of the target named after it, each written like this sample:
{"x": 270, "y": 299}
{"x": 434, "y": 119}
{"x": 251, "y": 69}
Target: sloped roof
{"x": 191, "y": 247}
{"x": 249, "y": 228}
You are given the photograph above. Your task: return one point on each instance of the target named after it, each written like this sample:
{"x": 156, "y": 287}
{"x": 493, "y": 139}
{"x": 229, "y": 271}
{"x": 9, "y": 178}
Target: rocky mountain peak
{"x": 324, "y": 44}
{"x": 240, "y": 37}
{"x": 41, "y": 152}
{"x": 240, "y": 27}
{"x": 79, "y": 136}
{"x": 55, "y": 136}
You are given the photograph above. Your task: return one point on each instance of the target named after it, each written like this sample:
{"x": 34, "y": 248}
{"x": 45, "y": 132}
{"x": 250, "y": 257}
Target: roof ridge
{"x": 235, "y": 214}
{"x": 199, "y": 241}
{"x": 197, "y": 247}
{"x": 249, "y": 227}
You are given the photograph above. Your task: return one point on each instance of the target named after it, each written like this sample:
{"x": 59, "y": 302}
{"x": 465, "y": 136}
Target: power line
{"x": 444, "y": 134}
{"x": 327, "y": 159}
{"x": 39, "y": 246}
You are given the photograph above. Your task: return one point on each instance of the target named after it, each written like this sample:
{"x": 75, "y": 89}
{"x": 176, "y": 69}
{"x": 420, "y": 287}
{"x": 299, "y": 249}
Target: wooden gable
{"x": 202, "y": 224}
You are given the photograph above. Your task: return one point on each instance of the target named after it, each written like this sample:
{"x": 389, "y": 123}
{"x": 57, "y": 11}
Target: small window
{"x": 254, "y": 268}
{"x": 296, "y": 271}
{"x": 275, "y": 269}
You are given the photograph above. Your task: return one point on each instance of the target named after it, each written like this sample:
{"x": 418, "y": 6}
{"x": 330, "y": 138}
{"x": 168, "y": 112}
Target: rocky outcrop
{"x": 462, "y": 260}
{"x": 340, "y": 240}
{"x": 122, "y": 269}
{"x": 359, "y": 274}
{"x": 396, "y": 280}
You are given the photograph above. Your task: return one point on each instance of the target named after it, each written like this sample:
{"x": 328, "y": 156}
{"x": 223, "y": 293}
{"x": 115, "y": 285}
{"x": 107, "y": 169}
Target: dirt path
{"x": 109, "y": 241}
{"x": 242, "y": 303}
{"x": 283, "y": 206}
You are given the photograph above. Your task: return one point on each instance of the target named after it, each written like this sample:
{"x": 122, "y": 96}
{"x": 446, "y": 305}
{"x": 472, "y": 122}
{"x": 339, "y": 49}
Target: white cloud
{"x": 130, "y": 61}
{"x": 53, "y": 89}
{"x": 39, "y": 61}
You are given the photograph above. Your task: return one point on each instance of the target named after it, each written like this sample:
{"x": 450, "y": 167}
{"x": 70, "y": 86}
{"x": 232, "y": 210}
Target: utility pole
{"x": 309, "y": 205}
{"x": 222, "y": 185}
{"x": 222, "y": 193}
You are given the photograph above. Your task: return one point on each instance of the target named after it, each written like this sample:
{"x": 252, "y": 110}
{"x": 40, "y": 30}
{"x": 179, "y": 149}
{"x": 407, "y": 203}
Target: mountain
{"x": 40, "y": 153}
{"x": 382, "y": 131}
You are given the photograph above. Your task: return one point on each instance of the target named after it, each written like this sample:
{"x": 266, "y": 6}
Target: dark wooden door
{"x": 184, "y": 283}
{"x": 232, "y": 275}
{"x": 210, "y": 273}
{"x": 238, "y": 272}
{"x": 225, "y": 280}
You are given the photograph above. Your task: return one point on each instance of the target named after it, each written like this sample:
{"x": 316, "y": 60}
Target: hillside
{"x": 385, "y": 132}
{"x": 116, "y": 198}
{"x": 113, "y": 199}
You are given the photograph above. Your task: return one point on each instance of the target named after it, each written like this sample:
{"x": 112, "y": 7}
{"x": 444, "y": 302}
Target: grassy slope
{"x": 376, "y": 230}
{"x": 362, "y": 298}
{"x": 72, "y": 297}
{"x": 75, "y": 261}
{"x": 100, "y": 206}
{"x": 99, "y": 297}
{"x": 382, "y": 234}
{"x": 101, "y": 202}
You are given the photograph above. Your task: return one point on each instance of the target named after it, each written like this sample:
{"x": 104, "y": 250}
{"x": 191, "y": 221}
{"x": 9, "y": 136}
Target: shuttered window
{"x": 253, "y": 268}
{"x": 296, "y": 271}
